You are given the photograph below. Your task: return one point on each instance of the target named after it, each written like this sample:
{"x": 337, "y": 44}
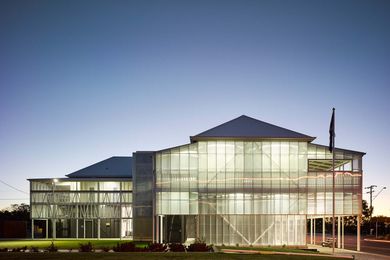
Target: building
{"x": 243, "y": 182}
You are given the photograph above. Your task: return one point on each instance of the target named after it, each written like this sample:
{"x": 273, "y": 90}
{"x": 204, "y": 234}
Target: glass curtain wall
{"x": 348, "y": 182}
{"x": 237, "y": 192}
{"x": 83, "y": 209}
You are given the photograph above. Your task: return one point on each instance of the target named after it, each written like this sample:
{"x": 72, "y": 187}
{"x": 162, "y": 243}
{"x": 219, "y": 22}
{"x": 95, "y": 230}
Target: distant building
{"x": 242, "y": 182}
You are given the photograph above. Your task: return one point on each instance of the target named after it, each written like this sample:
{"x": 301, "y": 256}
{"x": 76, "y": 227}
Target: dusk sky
{"x": 81, "y": 81}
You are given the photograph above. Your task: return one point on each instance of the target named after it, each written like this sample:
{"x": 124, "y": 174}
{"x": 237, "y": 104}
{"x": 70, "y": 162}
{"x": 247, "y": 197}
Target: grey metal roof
{"x": 337, "y": 149}
{"x": 245, "y": 127}
{"x": 114, "y": 167}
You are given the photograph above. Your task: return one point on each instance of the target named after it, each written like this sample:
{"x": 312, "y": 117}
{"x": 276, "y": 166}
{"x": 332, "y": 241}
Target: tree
{"x": 366, "y": 211}
{"x": 16, "y": 212}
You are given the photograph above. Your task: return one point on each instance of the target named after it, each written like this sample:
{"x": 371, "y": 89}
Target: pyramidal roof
{"x": 245, "y": 127}
{"x": 114, "y": 167}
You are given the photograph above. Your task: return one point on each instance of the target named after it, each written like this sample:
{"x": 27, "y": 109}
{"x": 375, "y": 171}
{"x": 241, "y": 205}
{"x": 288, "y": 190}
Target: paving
{"x": 348, "y": 253}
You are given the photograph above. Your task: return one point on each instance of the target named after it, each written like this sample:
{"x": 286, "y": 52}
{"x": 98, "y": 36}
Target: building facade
{"x": 243, "y": 182}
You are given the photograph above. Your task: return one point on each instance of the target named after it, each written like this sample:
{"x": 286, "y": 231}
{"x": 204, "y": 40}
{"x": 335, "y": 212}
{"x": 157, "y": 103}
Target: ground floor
{"x": 82, "y": 228}
{"x": 251, "y": 230}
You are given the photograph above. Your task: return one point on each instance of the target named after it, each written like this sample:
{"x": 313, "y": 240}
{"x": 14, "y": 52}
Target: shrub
{"x": 176, "y": 247}
{"x": 157, "y": 247}
{"x": 19, "y": 249}
{"x": 86, "y": 247}
{"x": 105, "y": 249}
{"x": 126, "y": 247}
{"x": 4, "y": 249}
{"x": 34, "y": 249}
{"x": 198, "y": 247}
{"x": 52, "y": 248}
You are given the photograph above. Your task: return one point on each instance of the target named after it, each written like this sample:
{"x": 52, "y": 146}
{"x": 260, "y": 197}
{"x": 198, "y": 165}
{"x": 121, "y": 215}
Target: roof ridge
{"x": 250, "y": 127}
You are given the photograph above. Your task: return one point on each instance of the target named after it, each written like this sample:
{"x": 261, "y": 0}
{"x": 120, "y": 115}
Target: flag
{"x": 332, "y": 133}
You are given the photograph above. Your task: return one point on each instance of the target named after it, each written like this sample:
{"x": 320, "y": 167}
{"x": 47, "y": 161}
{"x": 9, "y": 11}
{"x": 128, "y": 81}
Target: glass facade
{"x": 250, "y": 192}
{"x": 82, "y": 208}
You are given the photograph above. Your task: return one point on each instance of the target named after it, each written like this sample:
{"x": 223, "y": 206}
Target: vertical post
{"x": 77, "y": 226}
{"x": 323, "y": 229}
{"x": 84, "y": 227}
{"x": 333, "y": 179}
{"x": 157, "y": 226}
{"x": 47, "y": 228}
{"x": 342, "y": 232}
{"x": 98, "y": 229}
{"x": 54, "y": 229}
{"x": 161, "y": 229}
{"x": 120, "y": 210}
{"x": 311, "y": 231}
{"x": 314, "y": 231}
{"x": 338, "y": 232}
{"x": 32, "y": 228}
{"x": 358, "y": 233}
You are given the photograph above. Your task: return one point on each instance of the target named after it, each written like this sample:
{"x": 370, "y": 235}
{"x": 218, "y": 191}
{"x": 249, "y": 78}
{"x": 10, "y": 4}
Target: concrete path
{"x": 346, "y": 252}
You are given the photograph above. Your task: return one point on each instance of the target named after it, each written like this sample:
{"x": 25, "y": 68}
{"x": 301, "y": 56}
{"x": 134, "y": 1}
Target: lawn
{"x": 275, "y": 249}
{"x": 64, "y": 244}
{"x": 170, "y": 256}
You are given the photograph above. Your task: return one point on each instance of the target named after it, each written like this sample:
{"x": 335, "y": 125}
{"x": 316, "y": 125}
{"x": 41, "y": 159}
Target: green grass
{"x": 64, "y": 244}
{"x": 168, "y": 256}
{"x": 274, "y": 249}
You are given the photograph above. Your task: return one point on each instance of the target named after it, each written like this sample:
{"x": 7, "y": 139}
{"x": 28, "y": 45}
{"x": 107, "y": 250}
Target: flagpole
{"x": 333, "y": 188}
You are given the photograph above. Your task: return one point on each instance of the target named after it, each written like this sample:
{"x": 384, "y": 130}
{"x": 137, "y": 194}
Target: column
{"x": 323, "y": 229}
{"x": 358, "y": 233}
{"x": 311, "y": 231}
{"x": 120, "y": 211}
{"x": 54, "y": 229}
{"x": 338, "y": 231}
{"x": 314, "y": 231}
{"x": 32, "y": 228}
{"x": 84, "y": 227}
{"x": 161, "y": 229}
{"x": 77, "y": 220}
{"x": 156, "y": 227}
{"x": 98, "y": 228}
{"x": 47, "y": 228}
{"x": 77, "y": 227}
{"x": 342, "y": 232}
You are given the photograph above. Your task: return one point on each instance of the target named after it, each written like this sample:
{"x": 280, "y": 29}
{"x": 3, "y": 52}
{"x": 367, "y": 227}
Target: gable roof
{"x": 245, "y": 127}
{"x": 114, "y": 167}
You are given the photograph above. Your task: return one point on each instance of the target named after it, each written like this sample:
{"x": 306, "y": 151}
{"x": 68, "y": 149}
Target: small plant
{"x": 284, "y": 245}
{"x": 199, "y": 247}
{"x": 105, "y": 249}
{"x": 34, "y": 249}
{"x": 250, "y": 245}
{"x": 52, "y": 248}
{"x": 19, "y": 249}
{"x": 176, "y": 247}
{"x": 126, "y": 247}
{"x": 237, "y": 245}
{"x": 86, "y": 247}
{"x": 157, "y": 247}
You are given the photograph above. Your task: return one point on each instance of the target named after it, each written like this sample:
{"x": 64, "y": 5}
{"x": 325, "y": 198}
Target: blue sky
{"x": 81, "y": 81}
